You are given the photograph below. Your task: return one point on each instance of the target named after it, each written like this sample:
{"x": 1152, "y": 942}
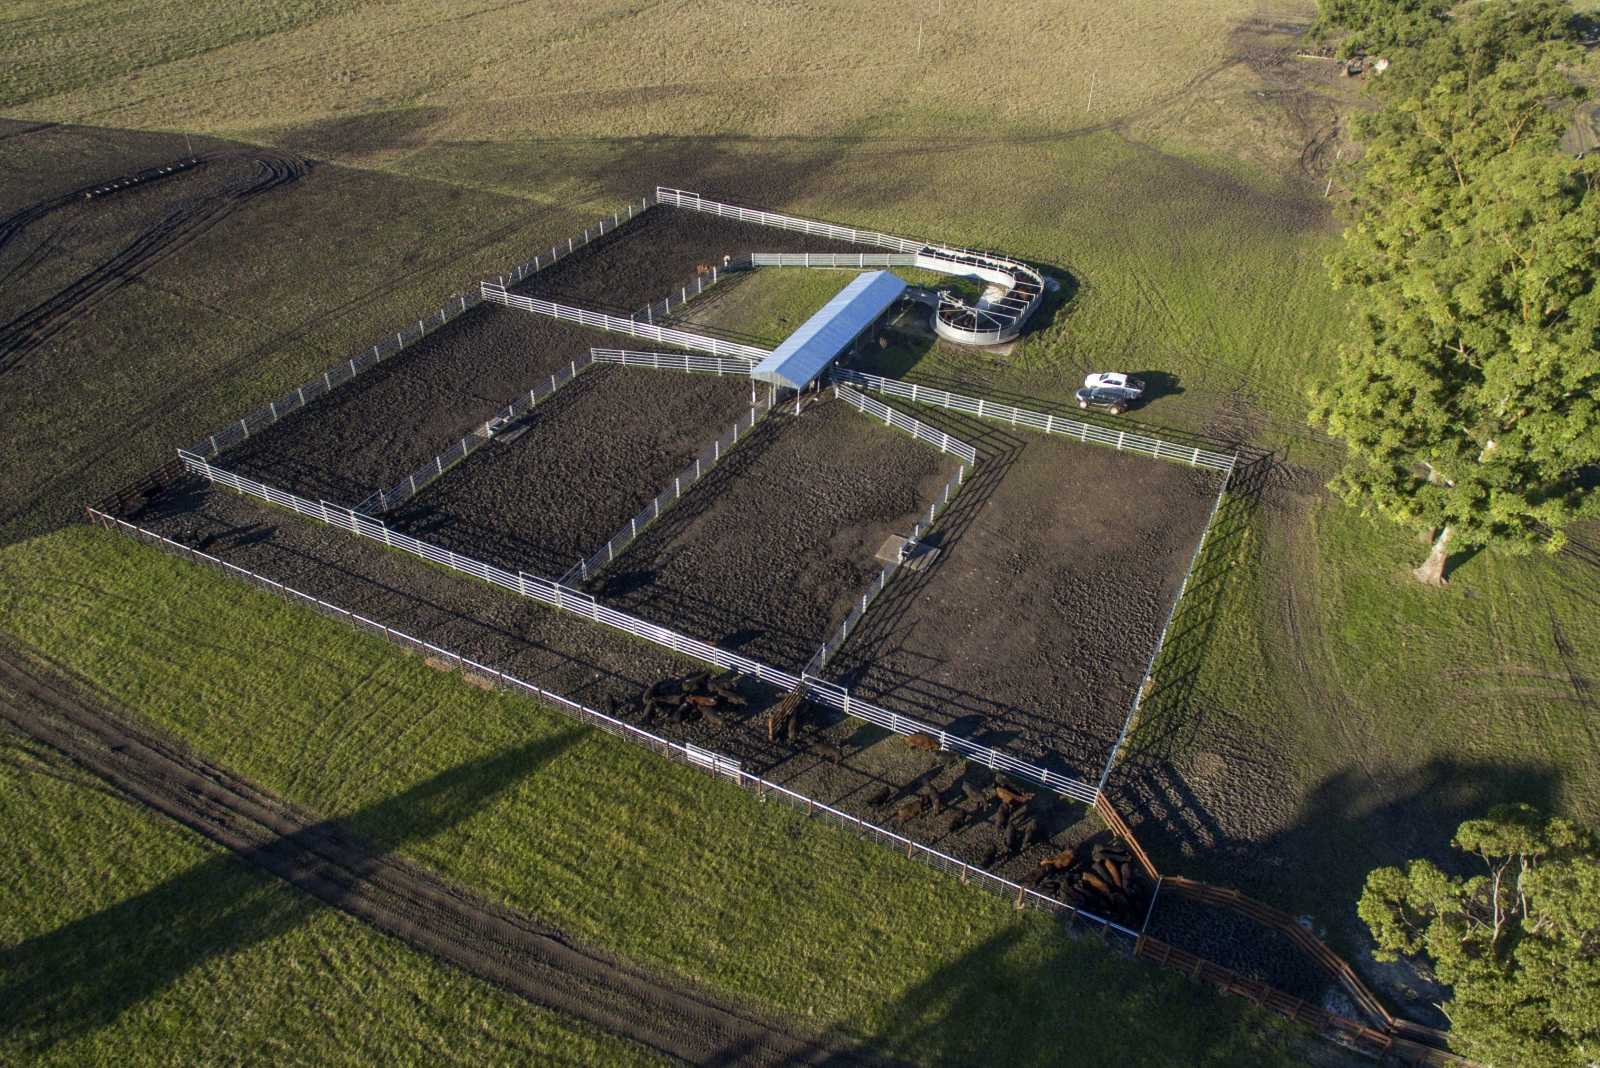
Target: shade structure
{"x": 819, "y": 340}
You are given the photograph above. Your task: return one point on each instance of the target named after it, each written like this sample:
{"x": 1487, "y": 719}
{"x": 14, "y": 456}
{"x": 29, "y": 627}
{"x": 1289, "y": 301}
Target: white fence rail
{"x": 915, "y": 427}
{"x": 671, "y": 361}
{"x": 702, "y": 465}
{"x": 859, "y": 608}
{"x": 987, "y": 322}
{"x": 1050, "y": 424}
{"x": 833, "y": 259}
{"x": 408, "y": 487}
{"x": 836, "y": 696}
{"x": 703, "y": 281}
{"x": 680, "y": 198}
{"x": 939, "y": 504}
{"x": 692, "y": 755}
{"x": 566, "y": 599}
{"x": 615, "y": 324}
{"x": 343, "y": 372}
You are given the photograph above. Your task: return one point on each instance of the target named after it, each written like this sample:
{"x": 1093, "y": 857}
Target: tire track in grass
{"x": 511, "y": 949}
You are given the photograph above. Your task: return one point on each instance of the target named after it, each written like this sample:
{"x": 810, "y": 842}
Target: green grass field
{"x": 126, "y": 940}
{"x": 652, "y": 860}
{"x": 1335, "y": 717}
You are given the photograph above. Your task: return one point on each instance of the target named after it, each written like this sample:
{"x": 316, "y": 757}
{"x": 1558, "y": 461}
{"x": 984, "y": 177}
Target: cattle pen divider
{"x": 408, "y": 487}
{"x": 702, "y": 465}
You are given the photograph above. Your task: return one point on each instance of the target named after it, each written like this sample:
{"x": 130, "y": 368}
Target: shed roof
{"x": 821, "y": 338}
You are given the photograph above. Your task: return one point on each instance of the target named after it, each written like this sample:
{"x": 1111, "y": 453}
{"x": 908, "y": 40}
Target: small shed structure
{"x": 819, "y": 340}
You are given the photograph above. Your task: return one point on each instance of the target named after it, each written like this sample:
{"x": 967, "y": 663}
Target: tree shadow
{"x": 1348, "y": 825}
{"x": 1040, "y": 998}
{"x": 86, "y": 974}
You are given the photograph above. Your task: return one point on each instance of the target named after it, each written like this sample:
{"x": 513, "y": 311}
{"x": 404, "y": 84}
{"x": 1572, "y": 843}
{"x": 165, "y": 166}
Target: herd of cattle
{"x": 1098, "y": 877}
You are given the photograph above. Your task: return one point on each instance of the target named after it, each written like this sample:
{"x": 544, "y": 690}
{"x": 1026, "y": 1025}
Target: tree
{"x": 1468, "y": 396}
{"x": 1475, "y": 43}
{"x": 1517, "y": 941}
{"x": 1380, "y": 26}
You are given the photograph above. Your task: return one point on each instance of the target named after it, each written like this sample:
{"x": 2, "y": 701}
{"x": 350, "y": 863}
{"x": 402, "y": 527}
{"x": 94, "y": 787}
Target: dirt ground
{"x": 1033, "y": 628}
{"x": 650, "y": 256}
{"x": 767, "y": 553}
{"x": 511, "y": 949}
{"x": 592, "y": 456}
{"x": 391, "y": 419}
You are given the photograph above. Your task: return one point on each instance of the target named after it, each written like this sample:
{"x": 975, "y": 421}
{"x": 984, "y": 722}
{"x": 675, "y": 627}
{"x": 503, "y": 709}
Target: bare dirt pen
{"x": 767, "y": 553}
{"x": 1033, "y": 628}
{"x": 396, "y": 416}
{"x": 591, "y": 457}
{"x": 653, "y": 254}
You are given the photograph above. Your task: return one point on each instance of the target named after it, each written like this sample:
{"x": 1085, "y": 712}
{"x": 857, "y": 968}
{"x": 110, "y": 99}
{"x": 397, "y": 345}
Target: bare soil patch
{"x": 1033, "y": 628}
{"x": 767, "y": 553}
{"x": 396, "y": 416}
{"x": 591, "y": 457}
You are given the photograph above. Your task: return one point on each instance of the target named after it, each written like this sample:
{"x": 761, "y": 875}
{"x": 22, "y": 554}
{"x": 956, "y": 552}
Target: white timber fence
{"x": 1147, "y": 682}
{"x": 839, "y": 697}
{"x": 857, "y": 609}
{"x": 563, "y": 598}
{"x": 1005, "y": 315}
{"x": 671, "y": 361}
{"x": 663, "y": 335}
{"x": 408, "y": 487}
{"x": 714, "y": 763}
{"x": 680, "y": 484}
{"x": 900, "y": 421}
{"x": 940, "y": 503}
{"x": 561, "y": 250}
{"x": 681, "y": 198}
{"x": 255, "y": 422}
{"x": 703, "y": 280}
{"x": 1049, "y": 424}
{"x": 833, "y": 259}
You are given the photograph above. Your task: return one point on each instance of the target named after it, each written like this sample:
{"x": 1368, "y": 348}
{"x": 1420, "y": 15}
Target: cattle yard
{"x": 518, "y": 448}
{"x": 896, "y": 605}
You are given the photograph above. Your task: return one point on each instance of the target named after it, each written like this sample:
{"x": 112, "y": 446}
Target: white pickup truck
{"x": 1116, "y": 381}
{"x": 1110, "y": 391}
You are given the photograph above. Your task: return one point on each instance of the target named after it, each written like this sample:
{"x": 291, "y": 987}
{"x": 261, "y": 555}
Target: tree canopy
{"x": 1380, "y": 26}
{"x": 1517, "y": 941}
{"x": 1468, "y": 394}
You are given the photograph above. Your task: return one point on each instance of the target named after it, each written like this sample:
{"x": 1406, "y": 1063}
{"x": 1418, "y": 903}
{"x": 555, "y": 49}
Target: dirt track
{"x": 508, "y": 948}
{"x": 34, "y": 326}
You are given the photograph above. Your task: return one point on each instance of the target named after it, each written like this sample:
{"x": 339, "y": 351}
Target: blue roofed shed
{"x": 819, "y": 340}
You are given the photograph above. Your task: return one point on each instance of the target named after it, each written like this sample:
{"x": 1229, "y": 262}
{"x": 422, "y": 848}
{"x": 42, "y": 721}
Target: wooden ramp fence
{"x": 1412, "y": 1043}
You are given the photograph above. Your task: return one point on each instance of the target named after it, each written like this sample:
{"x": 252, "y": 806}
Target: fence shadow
{"x": 1170, "y": 717}
{"x": 187, "y": 514}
